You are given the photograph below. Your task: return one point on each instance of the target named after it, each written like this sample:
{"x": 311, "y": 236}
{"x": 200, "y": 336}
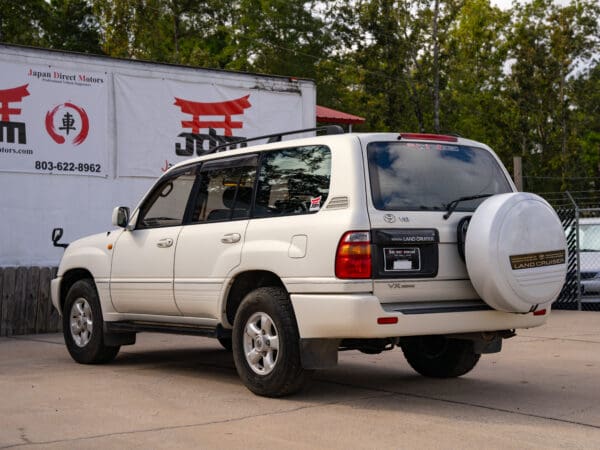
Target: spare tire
{"x": 516, "y": 252}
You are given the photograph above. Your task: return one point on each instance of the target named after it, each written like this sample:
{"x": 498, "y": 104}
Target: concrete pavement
{"x": 541, "y": 391}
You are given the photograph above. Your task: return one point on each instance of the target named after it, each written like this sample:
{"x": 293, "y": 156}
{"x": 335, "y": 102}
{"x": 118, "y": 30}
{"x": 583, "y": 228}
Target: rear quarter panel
{"x": 271, "y": 243}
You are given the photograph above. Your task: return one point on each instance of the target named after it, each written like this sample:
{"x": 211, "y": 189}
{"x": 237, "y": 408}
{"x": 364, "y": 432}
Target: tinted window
{"x": 166, "y": 205}
{"x": 225, "y": 189}
{"x": 416, "y": 176}
{"x": 293, "y": 181}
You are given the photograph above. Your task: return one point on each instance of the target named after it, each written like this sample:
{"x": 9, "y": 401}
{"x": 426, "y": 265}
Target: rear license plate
{"x": 402, "y": 259}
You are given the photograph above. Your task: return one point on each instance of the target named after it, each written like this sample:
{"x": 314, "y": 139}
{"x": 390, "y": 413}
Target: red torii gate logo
{"x": 195, "y": 140}
{"x": 8, "y": 96}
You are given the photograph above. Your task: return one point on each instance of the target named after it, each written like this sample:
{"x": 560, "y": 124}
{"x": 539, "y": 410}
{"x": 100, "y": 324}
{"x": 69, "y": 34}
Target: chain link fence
{"x": 579, "y": 213}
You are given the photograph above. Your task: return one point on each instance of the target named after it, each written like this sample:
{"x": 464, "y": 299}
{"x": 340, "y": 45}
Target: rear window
{"x": 425, "y": 176}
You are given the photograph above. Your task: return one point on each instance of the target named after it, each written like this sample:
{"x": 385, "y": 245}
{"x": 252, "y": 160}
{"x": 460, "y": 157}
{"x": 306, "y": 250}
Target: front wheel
{"x": 440, "y": 357}
{"x": 83, "y": 325}
{"x": 266, "y": 344}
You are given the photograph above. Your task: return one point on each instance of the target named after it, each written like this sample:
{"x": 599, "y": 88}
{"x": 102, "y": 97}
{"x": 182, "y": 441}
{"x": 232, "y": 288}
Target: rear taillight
{"x": 353, "y": 257}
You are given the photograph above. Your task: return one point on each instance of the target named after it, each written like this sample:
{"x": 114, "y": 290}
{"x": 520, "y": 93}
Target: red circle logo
{"x": 72, "y": 122}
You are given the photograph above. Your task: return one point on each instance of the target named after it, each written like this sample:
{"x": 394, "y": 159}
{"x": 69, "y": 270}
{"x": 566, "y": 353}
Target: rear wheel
{"x": 440, "y": 357}
{"x": 266, "y": 344}
{"x": 83, "y": 325}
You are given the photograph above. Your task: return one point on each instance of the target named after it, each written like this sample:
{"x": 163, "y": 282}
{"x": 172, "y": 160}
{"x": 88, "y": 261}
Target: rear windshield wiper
{"x": 450, "y": 207}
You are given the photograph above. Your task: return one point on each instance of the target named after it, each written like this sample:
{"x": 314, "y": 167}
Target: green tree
{"x": 22, "y": 21}
{"x": 472, "y": 104}
{"x": 402, "y": 48}
{"x": 387, "y": 46}
{"x": 549, "y": 45}
{"x": 72, "y": 25}
{"x": 586, "y": 97}
{"x": 278, "y": 37}
{"x": 185, "y": 32}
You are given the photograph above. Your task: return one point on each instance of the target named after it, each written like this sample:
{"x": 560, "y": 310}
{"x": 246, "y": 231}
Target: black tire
{"x": 286, "y": 375}
{"x": 91, "y": 350}
{"x": 225, "y": 343}
{"x": 439, "y": 357}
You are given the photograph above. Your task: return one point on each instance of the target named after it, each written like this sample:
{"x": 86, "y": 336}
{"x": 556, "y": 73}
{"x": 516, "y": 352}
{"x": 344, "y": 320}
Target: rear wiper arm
{"x": 450, "y": 207}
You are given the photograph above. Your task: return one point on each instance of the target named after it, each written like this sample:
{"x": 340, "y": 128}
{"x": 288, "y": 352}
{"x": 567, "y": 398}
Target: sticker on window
{"x": 315, "y": 203}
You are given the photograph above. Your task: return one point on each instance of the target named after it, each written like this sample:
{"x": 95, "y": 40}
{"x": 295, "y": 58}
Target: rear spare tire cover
{"x": 516, "y": 252}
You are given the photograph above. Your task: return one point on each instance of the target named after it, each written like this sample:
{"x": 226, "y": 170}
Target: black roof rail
{"x": 276, "y": 137}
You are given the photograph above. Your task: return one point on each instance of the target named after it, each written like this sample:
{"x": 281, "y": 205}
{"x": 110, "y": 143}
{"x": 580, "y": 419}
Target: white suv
{"x": 291, "y": 251}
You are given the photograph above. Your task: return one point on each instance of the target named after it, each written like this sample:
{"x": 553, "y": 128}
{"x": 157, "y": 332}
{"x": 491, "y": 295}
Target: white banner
{"x": 162, "y": 122}
{"x": 53, "y": 120}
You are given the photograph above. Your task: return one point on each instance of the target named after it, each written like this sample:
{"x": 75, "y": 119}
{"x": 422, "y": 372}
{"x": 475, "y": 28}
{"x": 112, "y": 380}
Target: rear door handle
{"x": 231, "y": 238}
{"x": 164, "y": 243}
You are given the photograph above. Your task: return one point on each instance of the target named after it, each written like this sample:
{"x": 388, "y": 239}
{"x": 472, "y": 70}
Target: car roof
{"x": 330, "y": 140}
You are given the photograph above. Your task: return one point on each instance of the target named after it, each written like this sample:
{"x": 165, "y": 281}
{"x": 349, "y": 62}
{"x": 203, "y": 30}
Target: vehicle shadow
{"x": 378, "y": 383}
{"x": 513, "y": 398}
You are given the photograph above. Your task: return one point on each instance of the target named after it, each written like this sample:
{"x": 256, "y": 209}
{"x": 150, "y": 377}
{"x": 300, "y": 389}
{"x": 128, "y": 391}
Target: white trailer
{"x": 80, "y": 134}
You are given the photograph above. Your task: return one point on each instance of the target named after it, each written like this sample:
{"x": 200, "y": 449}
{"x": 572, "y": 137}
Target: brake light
{"x": 539, "y": 312}
{"x": 428, "y": 137}
{"x": 353, "y": 257}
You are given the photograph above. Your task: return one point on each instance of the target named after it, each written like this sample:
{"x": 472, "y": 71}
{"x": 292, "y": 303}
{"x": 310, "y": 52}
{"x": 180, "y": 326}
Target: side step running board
{"x": 172, "y": 328}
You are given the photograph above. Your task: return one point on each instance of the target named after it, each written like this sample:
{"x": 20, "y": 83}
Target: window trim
{"x": 226, "y": 162}
{"x": 143, "y": 209}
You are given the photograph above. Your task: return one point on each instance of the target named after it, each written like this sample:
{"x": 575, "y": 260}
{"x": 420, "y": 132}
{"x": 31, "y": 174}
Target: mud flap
{"x": 319, "y": 353}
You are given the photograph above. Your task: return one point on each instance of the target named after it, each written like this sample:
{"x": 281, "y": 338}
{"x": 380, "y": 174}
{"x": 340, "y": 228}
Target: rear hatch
{"x": 412, "y": 184}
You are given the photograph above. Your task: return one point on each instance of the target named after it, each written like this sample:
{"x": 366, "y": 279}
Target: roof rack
{"x": 276, "y": 137}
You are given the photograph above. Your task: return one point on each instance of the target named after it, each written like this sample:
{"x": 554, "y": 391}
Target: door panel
{"x": 142, "y": 271}
{"x": 206, "y": 253}
{"x": 142, "y": 266}
{"x": 211, "y": 245}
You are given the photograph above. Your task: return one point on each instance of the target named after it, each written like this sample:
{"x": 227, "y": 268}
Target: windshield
{"x": 425, "y": 176}
{"x": 589, "y": 237}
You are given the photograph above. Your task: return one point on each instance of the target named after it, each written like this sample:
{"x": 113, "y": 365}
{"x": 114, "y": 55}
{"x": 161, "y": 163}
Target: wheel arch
{"x": 69, "y": 278}
{"x": 244, "y": 283}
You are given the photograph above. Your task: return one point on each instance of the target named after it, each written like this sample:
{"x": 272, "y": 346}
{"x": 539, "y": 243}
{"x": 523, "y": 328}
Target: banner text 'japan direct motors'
{"x": 161, "y": 122}
{"x": 53, "y": 120}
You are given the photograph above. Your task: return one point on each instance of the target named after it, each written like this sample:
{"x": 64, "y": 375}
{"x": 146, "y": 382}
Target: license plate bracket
{"x": 404, "y": 259}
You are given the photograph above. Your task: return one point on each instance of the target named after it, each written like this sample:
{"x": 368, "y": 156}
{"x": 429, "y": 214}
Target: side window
{"x": 293, "y": 181}
{"x": 225, "y": 189}
{"x": 166, "y": 205}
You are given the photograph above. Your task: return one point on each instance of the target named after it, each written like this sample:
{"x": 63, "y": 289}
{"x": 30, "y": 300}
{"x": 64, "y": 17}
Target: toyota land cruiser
{"x": 291, "y": 251}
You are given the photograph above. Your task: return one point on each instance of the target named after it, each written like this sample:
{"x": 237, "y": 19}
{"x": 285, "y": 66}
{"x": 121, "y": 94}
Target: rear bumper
{"x": 356, "y": 316}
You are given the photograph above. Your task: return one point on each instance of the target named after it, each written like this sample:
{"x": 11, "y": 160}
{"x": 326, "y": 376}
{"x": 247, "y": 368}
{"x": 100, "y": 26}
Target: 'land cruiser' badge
{"x": 534, "y": 260}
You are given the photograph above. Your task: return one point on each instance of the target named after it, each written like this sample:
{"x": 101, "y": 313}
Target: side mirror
{"x": 56, "y": 235}
{"x": 120, "y": 216}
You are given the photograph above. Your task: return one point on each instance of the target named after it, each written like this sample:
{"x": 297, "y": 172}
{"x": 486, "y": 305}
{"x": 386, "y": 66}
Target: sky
{"x": 505, "y": 4}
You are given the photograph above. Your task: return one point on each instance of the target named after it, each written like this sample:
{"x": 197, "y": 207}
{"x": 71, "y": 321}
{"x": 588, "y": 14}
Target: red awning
{"x": 328, "y": 115}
